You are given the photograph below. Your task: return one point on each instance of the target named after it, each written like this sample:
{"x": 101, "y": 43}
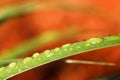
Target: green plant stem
{"x": 48, "y": 56}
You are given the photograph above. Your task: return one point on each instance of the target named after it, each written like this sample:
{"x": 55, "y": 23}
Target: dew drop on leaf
{"x": 94, "y": 41}
{"x": 36, "y": 55}
{"x": 46, "y": 52}
{"x": 66, "y": 45}
{"x": 11, "y": 65}
{"x": 57, "y": 49}
{"x": 27, "y": 59}
{"x": 49, "y": 54}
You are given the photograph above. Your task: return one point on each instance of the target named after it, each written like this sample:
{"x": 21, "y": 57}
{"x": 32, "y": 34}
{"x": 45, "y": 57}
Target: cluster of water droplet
{"x": 93, "y": 41}
{"x": 50, "y": 55}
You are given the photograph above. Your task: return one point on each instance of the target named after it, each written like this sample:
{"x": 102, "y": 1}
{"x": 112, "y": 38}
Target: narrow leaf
{"x": 48, "y": 56}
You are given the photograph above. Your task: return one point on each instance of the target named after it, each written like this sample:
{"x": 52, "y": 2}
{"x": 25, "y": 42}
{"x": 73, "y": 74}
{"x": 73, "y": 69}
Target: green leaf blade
{"x": 57, "y": 53}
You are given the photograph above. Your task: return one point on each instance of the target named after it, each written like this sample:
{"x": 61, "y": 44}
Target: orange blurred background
{"x": 101, "y": 18}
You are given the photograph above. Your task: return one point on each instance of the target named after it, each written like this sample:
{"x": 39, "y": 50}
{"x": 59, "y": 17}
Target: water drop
{"x": 94, "y": 41}
{"x": 50, "y": 54}
{"x": 11, "y": 65}
{"x": 36, "y": 55}
{"x": 46, "y": 52}
{"x": 66, "y": 45}
{"x": 27, "y": 59}
{"x": 57, "y": 49}
{"x": 75, "y": 46}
